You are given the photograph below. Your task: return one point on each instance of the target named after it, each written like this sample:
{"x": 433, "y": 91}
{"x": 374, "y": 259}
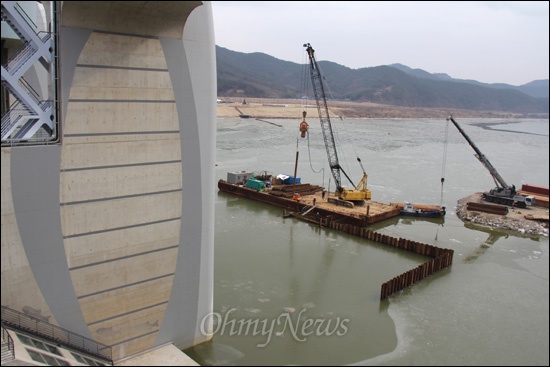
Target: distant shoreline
{"x": 292, "y": 109}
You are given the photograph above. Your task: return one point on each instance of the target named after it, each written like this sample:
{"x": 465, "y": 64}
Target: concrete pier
{"x": 109, "y": 231}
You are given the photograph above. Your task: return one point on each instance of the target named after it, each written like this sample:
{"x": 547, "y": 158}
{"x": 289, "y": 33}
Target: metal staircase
{"x": 31, "y": 117}
{"x": 8, "y": 350}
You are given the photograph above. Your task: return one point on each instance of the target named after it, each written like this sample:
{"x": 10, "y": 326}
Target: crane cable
{"x": 335, "y": 132}
{"x": 446, "y": 140}
{"x": 309, "y": 153}
{"x": 444, "y": 164}
{"x": 305, "y": 90}
{"x": 304, "y": 82}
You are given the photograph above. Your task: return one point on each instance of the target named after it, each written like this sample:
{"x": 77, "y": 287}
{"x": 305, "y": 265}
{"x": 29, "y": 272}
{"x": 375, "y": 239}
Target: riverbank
{"x": 292, "y": 109}
{"x": 515, "y": 220}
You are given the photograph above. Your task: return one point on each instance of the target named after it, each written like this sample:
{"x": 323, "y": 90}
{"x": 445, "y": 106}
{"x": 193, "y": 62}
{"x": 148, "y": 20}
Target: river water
{"x": 289, "y": 293}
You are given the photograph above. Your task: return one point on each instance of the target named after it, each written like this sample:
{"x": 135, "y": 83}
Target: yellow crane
{"x": 359, "y": 193}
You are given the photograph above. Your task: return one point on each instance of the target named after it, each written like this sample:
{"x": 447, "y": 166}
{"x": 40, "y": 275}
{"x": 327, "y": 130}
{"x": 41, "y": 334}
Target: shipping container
{"x": 239, "y": 177}
{"x": 255, "y": 184}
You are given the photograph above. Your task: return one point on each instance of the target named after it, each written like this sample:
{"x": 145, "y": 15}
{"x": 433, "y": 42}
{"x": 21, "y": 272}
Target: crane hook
{"x": 303, "y": 125}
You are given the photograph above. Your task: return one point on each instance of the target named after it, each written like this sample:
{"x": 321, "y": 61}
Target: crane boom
{"x": 502, "y": 193}
{"x": 326, "y": 127}
{"x": 499, "y": 181}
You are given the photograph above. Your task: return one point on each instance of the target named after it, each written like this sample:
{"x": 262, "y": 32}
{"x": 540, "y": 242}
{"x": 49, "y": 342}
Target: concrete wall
{"x": 111, "y": 233}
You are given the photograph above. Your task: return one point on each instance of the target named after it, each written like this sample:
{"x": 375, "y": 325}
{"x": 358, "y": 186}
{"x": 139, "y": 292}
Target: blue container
{"x": 290, "y": 180}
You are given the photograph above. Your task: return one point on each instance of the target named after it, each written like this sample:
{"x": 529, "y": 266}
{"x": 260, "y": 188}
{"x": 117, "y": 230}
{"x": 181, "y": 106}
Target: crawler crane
{"x": 503, "y": 193}
{"x": 345, "y": 196}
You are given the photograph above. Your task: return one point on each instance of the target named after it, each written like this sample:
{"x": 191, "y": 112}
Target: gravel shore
{"x": 515, "y": 219}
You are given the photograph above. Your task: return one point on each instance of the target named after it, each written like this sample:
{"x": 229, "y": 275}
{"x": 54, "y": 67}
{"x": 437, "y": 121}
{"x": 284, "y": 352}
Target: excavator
{"x": 345, "y": 196}
{"x": 503, "y": 193}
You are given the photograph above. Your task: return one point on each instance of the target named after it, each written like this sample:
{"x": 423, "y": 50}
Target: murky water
{"x": 287, "y": 292}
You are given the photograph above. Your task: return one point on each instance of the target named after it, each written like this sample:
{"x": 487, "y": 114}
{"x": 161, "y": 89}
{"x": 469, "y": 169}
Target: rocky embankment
{"x": 515, "y": 219}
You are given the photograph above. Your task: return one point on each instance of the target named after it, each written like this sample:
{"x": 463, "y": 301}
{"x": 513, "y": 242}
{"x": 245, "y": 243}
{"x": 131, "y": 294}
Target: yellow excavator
{"x": 345, "y": 196}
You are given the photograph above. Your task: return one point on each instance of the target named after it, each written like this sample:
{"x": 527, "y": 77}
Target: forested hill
{"x": 259, "y": 75}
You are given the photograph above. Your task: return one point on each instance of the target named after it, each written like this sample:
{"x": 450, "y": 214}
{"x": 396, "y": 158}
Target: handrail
{"x": 30, "y": 90}
{"x": 24, "y": 52}
{"x": 29, "y": 324}
{"x": 26, "y": 17}
{"x": 6, "y": 336}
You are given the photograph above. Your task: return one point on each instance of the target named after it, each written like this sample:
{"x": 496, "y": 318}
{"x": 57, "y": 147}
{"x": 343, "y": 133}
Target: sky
{"x": 488, "y": 41}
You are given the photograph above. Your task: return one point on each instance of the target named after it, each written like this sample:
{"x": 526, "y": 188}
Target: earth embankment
{"x": 514, "y": 220}
{"x": 292, "y": 109}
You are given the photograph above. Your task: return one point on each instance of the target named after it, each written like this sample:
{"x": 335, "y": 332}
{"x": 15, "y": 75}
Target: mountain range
{"x": 258, "y": 75}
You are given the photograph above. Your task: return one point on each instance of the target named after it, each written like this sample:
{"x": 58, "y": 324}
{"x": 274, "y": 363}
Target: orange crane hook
{"x": 303, "y": 125}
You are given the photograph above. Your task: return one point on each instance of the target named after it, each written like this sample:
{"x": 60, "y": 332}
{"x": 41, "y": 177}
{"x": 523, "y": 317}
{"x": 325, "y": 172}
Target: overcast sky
{"x": 487, "y": 41}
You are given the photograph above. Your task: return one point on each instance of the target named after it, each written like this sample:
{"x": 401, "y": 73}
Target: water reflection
{"x": 492, "y": 238}
{"x": 266, "y": 265}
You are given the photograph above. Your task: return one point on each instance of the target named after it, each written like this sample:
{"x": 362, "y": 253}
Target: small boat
{"x": 426, "y": 211}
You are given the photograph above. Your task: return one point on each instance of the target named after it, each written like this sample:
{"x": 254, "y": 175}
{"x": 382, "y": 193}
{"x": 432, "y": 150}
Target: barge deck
{"x": 323, "y": 211}
{"x": 314, "y": 207}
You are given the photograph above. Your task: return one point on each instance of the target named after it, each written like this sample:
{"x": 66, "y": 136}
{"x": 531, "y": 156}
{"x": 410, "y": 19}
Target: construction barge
{"x": 348, "y": 210}
{"x": 312, "y": 204}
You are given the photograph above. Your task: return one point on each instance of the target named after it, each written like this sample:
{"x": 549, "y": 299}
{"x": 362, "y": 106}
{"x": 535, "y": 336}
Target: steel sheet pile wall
{"x": 441, "y": 258}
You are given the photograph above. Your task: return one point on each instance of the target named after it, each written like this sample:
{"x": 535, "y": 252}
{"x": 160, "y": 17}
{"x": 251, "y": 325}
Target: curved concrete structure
{"x": 109, "y": 234}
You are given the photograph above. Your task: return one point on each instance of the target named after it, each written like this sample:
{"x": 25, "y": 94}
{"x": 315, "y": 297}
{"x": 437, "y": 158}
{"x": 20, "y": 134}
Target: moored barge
{"x": 312, "y": 203}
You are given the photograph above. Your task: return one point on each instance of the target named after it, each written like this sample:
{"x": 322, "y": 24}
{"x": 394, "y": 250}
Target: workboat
{"x": 426, "y": 211}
